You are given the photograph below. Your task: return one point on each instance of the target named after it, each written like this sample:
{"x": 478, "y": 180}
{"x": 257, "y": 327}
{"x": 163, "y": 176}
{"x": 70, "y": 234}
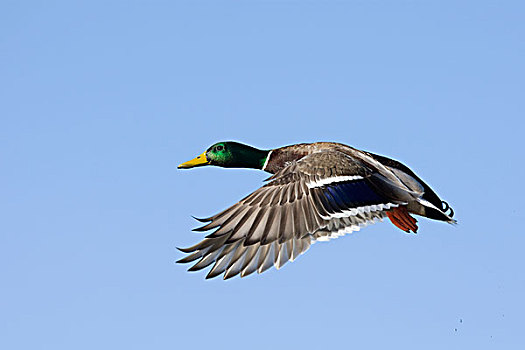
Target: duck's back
{"x": 281, "y": 157}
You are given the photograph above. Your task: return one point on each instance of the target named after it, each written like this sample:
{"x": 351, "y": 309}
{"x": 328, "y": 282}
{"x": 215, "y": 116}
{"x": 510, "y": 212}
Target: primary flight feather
{"x": 318, "y": 191}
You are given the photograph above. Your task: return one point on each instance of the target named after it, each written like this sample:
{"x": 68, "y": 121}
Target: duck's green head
{"x": 229, "y": 154}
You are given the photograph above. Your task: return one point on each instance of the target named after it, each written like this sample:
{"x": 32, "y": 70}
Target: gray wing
{"x": 324, "y": 195}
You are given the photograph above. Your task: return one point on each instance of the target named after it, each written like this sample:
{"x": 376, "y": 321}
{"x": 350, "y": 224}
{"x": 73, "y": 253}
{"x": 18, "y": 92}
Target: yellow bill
{"x": 198, "y": 161}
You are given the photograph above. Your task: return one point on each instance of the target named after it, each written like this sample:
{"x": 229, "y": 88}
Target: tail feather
{"x": 433, "y": 212}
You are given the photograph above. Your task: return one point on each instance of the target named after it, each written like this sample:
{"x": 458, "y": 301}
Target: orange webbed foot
{"x": 402, "y": 219}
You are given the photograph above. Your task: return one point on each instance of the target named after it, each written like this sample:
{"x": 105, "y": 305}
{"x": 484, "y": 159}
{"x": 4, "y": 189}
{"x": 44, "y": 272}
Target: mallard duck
{"x": 317, "y": 191}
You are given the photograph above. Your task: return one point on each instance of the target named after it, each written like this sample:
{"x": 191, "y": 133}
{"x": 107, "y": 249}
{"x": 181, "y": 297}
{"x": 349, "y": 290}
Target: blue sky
{"x": 101, "y": 100}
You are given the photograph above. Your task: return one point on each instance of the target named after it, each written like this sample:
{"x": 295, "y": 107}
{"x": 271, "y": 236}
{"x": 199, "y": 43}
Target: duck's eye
{"x": 219, "y": 148}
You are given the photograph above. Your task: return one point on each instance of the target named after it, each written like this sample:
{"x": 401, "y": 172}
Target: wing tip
{"x": 185, "y": 250}
{"x": 203, "y": 220}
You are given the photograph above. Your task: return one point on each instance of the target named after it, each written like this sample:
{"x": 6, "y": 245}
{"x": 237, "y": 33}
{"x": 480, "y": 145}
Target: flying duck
{"x": 317, "y": 191}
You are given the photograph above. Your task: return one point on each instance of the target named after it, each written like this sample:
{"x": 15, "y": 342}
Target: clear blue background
{"x": 101, "y": 100}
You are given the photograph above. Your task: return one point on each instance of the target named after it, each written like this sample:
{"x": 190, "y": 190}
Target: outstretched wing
{"x": 324, "y": 195}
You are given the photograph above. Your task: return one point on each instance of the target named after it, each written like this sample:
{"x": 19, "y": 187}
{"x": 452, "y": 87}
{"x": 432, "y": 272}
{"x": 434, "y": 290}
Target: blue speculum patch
{"x": 344, "y": 195}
